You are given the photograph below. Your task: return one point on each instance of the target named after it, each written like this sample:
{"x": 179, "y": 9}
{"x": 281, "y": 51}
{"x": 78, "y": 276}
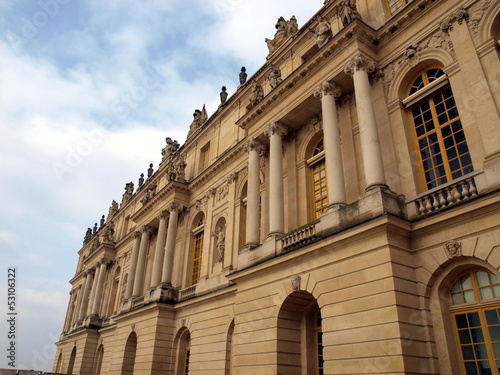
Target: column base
{"x": 164, "y": 293}
{"x": 92, "y": 321}
{"x": 374, "y": 202}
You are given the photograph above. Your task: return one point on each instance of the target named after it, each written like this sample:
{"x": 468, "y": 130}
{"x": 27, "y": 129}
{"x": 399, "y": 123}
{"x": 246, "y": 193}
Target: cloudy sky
{"x": 88, "y": 92}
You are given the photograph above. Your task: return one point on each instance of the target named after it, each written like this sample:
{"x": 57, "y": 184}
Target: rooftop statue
{"x": 284, "y": 29}
{"x": 347, "y": 11}
{"x": 323, "y": 32}
{"x": 200, "y": 117}
{"x": 129, "y": 191}
{"x": 170, "y": 148}
{"x": 223, "y": 95}
{"x": 112, "y": 209}
{"x": 243, "y": 75}
{"x": 150, "y": 170}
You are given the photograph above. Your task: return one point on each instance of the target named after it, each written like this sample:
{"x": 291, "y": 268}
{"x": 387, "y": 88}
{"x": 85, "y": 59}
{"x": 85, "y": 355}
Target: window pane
{"x": 486, "y": 293}
{"x": 484, "y": 367}
{"x": 464, "y": 336}
{"x": 481, "y": 352}
{"x": 477, "y": 335}
{"x": 468, "y": 352}
{"x": 470, "y": 368}
{"x": 466, "y": 282}
{"x": 461, "y": 321}
{"x": 473, "y": 319}
{"x": 492, "y": 317}
{"x": 457, "y": 298}
{"x": 496, "y": 350}
{"x": 494, "y": 333}
{"x": 496, "y": 291}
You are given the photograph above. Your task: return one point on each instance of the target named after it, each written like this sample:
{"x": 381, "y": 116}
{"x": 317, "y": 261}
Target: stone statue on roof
{"x": 170, "y": 148}
{"x": 199, "y": 118}
{"x": 284, "y": 29}
{"x": 347, "y": 11}
{"x": 323, "y": 32}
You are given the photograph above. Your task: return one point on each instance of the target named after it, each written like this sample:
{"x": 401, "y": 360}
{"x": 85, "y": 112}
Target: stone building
{"x": 338, "y": 214}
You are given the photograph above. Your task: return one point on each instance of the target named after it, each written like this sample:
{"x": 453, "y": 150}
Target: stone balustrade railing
{"x": 443, "y": 196}
{"x": 299, "y": 237}
{"x": 187, "y": 293}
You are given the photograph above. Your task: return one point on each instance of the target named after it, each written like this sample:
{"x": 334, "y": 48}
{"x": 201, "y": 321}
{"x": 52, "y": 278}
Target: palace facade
{"x": 338, "y": 214}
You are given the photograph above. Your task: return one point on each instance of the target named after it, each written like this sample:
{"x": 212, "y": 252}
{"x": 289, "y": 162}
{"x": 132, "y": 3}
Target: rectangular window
{"x": 395, "y": 6}
{"x": 205, "y": 157}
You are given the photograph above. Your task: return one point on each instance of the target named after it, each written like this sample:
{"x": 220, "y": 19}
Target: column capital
{"x": 146, "y": 229}
{"x": 254, "y": 144}
{"x": 275, "y": 128}
{"x": 162, "y": 215}
{"x": 359, "y": 62}
{"x": 137, "y": 235}
{"x": 328, "y": 88}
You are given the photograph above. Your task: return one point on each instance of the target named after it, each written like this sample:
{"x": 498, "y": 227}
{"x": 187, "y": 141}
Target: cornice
{"x": 161, "y": 195}
{"x": 221, "y": 162}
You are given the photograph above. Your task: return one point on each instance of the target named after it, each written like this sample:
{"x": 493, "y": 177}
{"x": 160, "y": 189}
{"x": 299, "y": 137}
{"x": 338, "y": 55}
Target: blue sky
{"x": 88, "y": 92}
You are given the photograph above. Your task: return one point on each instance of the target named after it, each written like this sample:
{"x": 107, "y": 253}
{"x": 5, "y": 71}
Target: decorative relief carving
{"x": 170, "y": 149}
{"x": 220, "y": 243}
{"x": 347, "y": 11}
{"x": 256, "y": 95}
{"x": 476, "y": 14}
{"x": 274, "y": 76}
{"x": 323, "y": 32}
{"x": 150, "y": 193}
{"x": 222, "y": 192}
{"x": 453, "y": 249}
{"x": 176, "y": 170}
{"x": 295, "y": 279}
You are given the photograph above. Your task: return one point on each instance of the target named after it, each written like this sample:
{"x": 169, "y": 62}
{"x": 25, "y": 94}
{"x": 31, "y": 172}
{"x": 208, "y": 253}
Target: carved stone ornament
{"x": 112, "y": 209}
{"x": 256, "y": 95}
{"x": 295, "y": 279}
{"x": 359, "y": 62}
{"x": 176, "y": 170}
{"x": 453, "y": 249}
{"x": 199, "y": 118}
{"x": 412, "y": 55}
{"x": 476, "y": 14}
{"x": 459, "y": 16}
{"x": 150, "y": 193}
{"x": 274, "y": 76}
{"x": 222, "y": 192}
{"x": 232, "y": 177}
{"x": 275, "y": 128}
{"x": 220, "y": 242}
{"x": 327, "y": 88}
{"x": 183, "y": 322}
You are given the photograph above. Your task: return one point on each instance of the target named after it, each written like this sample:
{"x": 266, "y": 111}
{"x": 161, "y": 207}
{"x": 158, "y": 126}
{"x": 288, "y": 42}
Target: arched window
{"x": 197, "y": 250}
{"x": 318, "y": 179}
{"x": 71, "y": 362}
{"x": 129, "y": 355}
{"x": 98, "y": 362}
{"x": 319, "y": 343}
{"x": 59, "y": 364}
{"x": 475, "y": 308}
{"x": 440, "y": 142}
{"x": 300, "y": 336}
{"x": 183, "y": 353}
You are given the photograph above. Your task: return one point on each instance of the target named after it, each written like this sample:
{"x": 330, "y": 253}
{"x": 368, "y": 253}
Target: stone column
{"x": 328, "y": 92}
{"x": 141, "y": 261}
{"x": 93, "y": 290}
{"x": 133, "y": 265}
{"x": 168, "y": 259}
{"x": 358, "y": 68}
{"x": 160, "y": 247}
{"x": 275, "y": 132}
{"x": 254, "y": 148}
{"x": 85, "y": 295}
{"x": 99, "y": 286}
